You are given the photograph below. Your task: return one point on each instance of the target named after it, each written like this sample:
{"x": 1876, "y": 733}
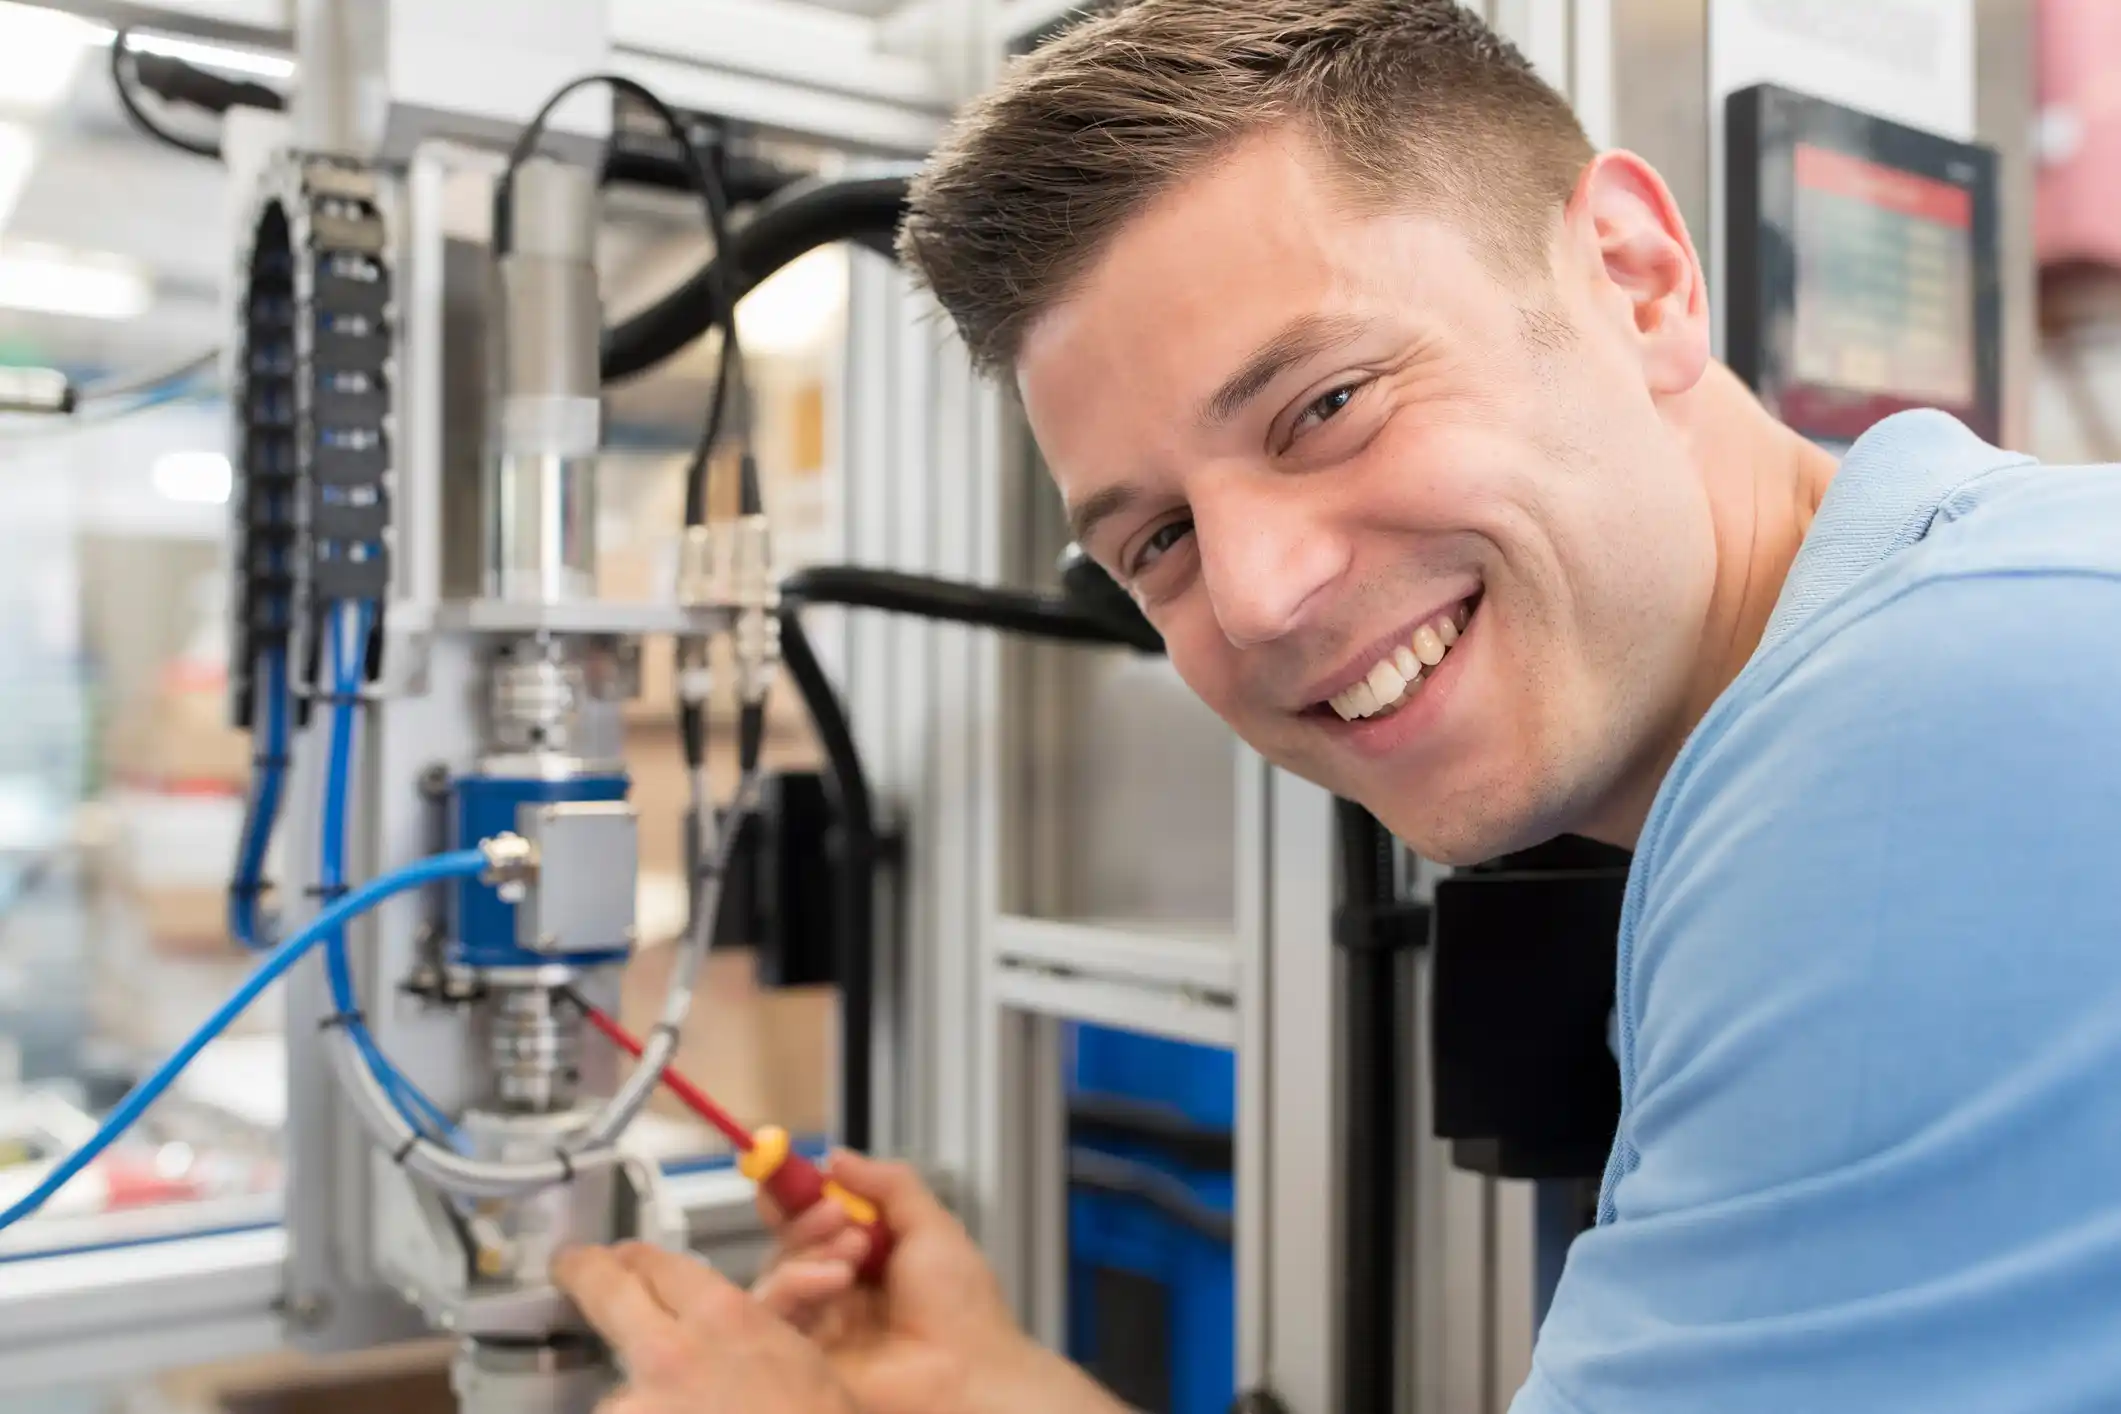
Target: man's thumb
{"x": 894, "y": 1187}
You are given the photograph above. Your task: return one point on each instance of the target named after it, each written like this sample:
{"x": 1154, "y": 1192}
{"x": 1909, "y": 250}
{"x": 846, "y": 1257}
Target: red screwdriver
{"x": 766, "y": 1157}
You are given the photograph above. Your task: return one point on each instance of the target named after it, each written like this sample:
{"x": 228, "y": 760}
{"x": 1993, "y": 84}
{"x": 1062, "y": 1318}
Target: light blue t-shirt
{"x": 1869, "y": 1009}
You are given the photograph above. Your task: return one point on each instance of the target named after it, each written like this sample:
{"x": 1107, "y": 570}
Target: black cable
{"x": 1011, "y": 610}
{"x": 745, "y": 181}
{"x": 854, "y": 942}
{"x": 174, "y": 81}
{"x": 721, "y": 302}
{"x": 794, "y": 222}
{"x": 195, "y": 146}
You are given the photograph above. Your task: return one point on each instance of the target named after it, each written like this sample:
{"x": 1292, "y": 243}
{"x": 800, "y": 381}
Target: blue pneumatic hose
{"x": 454, "y": 865}
{"x": 343, "y": 650}
{"x": 264, "y": 810}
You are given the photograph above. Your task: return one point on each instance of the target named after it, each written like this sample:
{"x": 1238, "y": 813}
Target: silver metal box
{"x": 588, "y": 858}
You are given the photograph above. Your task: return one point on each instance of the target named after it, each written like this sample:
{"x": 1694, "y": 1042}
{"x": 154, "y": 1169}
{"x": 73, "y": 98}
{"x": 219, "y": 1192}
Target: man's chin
{"x": 1460, "y": 827}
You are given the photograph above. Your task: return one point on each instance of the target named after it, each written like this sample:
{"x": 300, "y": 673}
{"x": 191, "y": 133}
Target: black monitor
{"x": 1862, "y": 266}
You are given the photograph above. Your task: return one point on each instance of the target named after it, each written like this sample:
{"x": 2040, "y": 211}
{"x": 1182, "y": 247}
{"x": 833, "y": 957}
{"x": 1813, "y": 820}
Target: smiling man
{"x": 1392, "y": 403}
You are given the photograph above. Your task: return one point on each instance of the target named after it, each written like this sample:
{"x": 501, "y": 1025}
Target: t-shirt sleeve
{"x": 1874, "y": 998}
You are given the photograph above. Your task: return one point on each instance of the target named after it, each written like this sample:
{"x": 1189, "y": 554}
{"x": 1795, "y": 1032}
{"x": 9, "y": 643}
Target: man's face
{"x": 1416, "y": 533}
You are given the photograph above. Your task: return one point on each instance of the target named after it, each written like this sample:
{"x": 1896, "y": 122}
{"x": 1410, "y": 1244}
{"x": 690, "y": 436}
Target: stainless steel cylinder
{"x": 555, "y": 707}
{"x": 534, "y": 1049}
{"x": 546, "y": 415}
{"x": 529, "y": 1377}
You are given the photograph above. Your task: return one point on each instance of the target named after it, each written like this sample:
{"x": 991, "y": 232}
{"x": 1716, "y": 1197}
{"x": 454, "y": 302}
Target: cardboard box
{"x": 412, "y": 1378}
{"x": 765, "y": 1056}
{"x": 179, "y": 737}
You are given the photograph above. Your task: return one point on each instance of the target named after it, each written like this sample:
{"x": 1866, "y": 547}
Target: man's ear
{"x": 1623, "y": 221}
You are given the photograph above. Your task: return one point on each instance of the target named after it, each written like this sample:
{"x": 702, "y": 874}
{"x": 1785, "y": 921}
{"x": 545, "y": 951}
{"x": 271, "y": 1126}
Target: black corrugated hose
{"x": 789, "y": 224}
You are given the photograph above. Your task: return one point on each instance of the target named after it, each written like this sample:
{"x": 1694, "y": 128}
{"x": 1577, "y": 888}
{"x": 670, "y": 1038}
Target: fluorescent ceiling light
{"x": 18, "y": 158}
{"x": 35, "y": 390}
{"x": 197, "y": 478}
{"x": 52, "y": 280}
{"x": 795, "y": 309}
{"x": 40, "y": 51}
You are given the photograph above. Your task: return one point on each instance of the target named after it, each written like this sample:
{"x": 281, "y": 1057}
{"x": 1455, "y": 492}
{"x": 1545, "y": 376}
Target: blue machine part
{"x": 484, "y": 931}
{"x": 1152, "y": 1293}
{"x": 1199, "y": 1082}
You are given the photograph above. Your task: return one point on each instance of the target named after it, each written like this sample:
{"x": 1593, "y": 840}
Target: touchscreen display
{"x": 1884, "y": 299}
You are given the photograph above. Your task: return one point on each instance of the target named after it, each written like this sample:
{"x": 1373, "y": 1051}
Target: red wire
{"x": 694, "y": 1097}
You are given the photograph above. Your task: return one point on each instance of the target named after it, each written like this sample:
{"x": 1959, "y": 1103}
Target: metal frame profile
{"x": 184, "y": 1293}
{"x": 127, "y": 1311}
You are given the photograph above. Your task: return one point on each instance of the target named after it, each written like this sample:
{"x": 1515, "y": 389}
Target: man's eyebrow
{"x": 1299, "y": 339}
{"x": 1097, "y": 508}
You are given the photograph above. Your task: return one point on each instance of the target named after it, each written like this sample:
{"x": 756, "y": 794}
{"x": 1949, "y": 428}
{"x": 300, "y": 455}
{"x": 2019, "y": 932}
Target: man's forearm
{"x": 1045, "y": 1384}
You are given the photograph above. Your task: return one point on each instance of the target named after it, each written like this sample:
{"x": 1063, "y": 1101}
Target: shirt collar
{"x": 1883, "y": 498}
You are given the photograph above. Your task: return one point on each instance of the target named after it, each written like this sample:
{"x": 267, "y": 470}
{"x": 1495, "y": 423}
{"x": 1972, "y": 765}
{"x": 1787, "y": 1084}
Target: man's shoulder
{"x": 2028, "y": 518}
{"x": 1870, "y": 1001}
{"x": 2004, "y": 615}
{"x": 1937, "y": 747}
{"x": 1975, "y": 665}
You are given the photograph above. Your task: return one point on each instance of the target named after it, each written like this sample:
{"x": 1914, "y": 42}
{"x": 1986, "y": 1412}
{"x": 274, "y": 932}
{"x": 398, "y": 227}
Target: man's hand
{"x": 692, "y": 1343}
{"x": 938, "y": 1337}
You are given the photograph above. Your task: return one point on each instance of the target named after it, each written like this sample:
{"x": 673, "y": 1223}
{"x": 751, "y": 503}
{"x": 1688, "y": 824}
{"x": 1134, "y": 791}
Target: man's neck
{"x": 1764, "y": 484}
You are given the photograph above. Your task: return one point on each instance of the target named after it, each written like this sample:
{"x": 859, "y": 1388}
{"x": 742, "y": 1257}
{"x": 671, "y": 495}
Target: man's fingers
{"x": 820, "y": 1225}
{"x": 791, "y": 1290}
{"x": 893, "y": 1187}
{"x": 612, "y": 1297}
{"x": 811, "y": 1229}
{"x": 675, "y": 1279}
{"x": 687, "y": 1286}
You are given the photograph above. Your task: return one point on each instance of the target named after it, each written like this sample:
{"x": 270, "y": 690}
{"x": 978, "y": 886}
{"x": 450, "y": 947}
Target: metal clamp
{"x": 511, "y": 864}
{"x": 757, "y": 596}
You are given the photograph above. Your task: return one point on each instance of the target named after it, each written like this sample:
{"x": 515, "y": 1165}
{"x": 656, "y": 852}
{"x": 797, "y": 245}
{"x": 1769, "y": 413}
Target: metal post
{"x": 547, "y": 417}
{"x": 333, "y": 38}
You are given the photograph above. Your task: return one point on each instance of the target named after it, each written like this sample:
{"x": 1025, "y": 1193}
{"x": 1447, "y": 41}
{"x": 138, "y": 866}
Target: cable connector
{"x": 697, "y": 563}
{"x": 757, "y": 595}
{"x": 511, "y": 864}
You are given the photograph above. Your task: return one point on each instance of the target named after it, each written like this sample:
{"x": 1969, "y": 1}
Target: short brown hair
{"x": 1416, "y": 101}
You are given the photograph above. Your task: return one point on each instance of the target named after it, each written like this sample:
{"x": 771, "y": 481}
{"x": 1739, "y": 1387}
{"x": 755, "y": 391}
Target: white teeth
{"x": 1393, "y": 677}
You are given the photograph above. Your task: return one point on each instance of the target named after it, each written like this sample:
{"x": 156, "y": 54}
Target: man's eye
{"x": 1161, "y": 539}
{"x": 1324, "y": 408}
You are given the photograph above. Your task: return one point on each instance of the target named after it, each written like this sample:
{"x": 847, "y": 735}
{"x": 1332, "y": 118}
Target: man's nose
{"x": 1264, "y": 556}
